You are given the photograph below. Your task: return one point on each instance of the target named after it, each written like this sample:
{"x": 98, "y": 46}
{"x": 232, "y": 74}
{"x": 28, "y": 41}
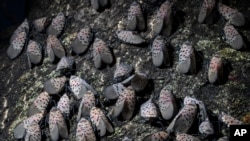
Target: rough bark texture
{"x": 20, "y": 85}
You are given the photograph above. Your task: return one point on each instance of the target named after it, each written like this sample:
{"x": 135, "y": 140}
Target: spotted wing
{"x": 17, "y": 45}
{"x": 119, "y": 106}
{"x": 157, "y": 26}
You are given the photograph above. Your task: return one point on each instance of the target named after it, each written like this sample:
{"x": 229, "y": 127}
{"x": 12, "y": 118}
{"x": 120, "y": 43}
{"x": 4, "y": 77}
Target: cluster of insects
{"x": 93, "y": 120}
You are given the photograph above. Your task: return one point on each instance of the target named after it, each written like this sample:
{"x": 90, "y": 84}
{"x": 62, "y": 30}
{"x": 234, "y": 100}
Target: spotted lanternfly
{"x": 135, "y": 17}
{"x": 113, "y": 91}
{"x": 122, "y": 72}
{"x": 34, "y": 53}
{"x": 160, "y": 53}
{"x": 65, "y": 64}
{"x": 57, "y": 25}
{"x": 130, "y": 37}
{"x": 82, "y": 41}
{"x": 232, "y": 15}
{"x": 84, "y": 131}
{"x": 225, "y": 138}
{"x": 98, "y": 4}
{"x": 148, "y": 110}
{"x": 206, "y": 128}
{"x": 167, "y": 104}
{"x": 24, "y": 27}
{"x": 88, "y": 101}
{"x": 39, "y": 105}
{"x": 20, "y": 130}
{"x": 54, "y": 48}
{"x": 79, "y": 87}
{"x": 187, "y": 61}
{"x": 125, "y": 104}
{"x": 57, "y": 125}
{"x": 186, "y": 137}
{"x": 202, "y": 110}
{"x": 206, "y": 11}
{"x": 215, "y": 71}
{"x": 64, "y": 105}
{"x": 33, "y": 133}
{"x": 162, "y": 22}
{"x": 40, "y": 24}
{"x": 17, "y": 45}
{"x": 36, "y": 118}
{"x": 101, "y": 53}
{"x": 55, "y": 85}
{"x": 101, "y": 122}
{"x": 183, "y": 120}
{"x": 232, "y": 36}
{"x": 139, "y": 81}
{"x": 158, "y": 136}
{"x": 229, "y": 120}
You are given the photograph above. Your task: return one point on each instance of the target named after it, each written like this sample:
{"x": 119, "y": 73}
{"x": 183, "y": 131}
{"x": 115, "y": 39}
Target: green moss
{"x": 234, "y": 55}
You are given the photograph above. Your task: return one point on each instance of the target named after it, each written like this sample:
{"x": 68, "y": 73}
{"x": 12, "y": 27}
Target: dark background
{"x": 12, "y": 13}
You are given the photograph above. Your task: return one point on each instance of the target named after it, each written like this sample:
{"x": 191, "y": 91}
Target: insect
{"x": 206, "y": 128}
{"x": 64, "y": 105}
{"x": 186, "y": 137}
{"x": 233, "y": 38}
{"x": 167, "y": 104}
{"x": 158, "y": 136}
{"x": 55, "y": 85}
{"x": 122, "y": 72}
{"x": 40, "y": 24}
{"x": 229, "y": 120}
{"x": 40, "y": 104}
{"x": 54, "y": 48}
{"x": 125, "y": 104}
{"x": 22, "y": 130}
{"x": 65, "y": 65}
{"x": 113, "y": 91}
{"x": 57, "y": 25}
{"x": 34, "y": 53}
{"x": 88, "y": 101}
{"x": 84, "y": 131}
{"x": 130, "y": 37}
{"x": 215, "y": 71}
{"x": 160, "y": 53}
{"x": 17, "y": 45}
{"x": 135, "y": 17}
{"x": 149, "y": 111}
{"x": 187, "y": 62}
{"x": 232, "y": 15}
{"x": 183, "y": 120}
{"x": 82, "y": 41}
{"x": 206, "y": 11}
{"x": 202, "y": 110}
{"x": 101, "y": 122}
{"x": 33, "y": 133}
{"x": 24, "y": 27}
{"x": 162, "y": 22}
{"x": 99, "y": 4}
{"x": 79, "y": 87}
{"x": 57, "y": 125}
{"x": 101, "y": 53}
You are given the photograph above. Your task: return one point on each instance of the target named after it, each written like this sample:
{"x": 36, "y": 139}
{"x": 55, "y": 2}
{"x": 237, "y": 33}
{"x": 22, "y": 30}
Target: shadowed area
{"x": 21, "y": 85}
